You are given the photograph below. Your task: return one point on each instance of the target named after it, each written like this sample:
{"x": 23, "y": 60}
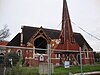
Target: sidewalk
{"x": 89, "y": 73}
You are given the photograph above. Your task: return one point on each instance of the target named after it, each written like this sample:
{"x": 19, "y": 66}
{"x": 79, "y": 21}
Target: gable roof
{"x": 80, "y": 40}
{"x": 28, "y": 32}
{"x": 15, "y": 41}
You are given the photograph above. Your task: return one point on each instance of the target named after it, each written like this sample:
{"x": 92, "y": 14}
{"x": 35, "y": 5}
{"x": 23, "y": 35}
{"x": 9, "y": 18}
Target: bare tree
{"x": 4, "y": 32}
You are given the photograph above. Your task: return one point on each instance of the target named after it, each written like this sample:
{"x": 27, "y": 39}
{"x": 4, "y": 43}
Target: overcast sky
{"x": 48, "y": 13}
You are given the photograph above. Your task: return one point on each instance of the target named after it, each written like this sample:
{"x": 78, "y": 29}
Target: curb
{"x": 97, "y": 72}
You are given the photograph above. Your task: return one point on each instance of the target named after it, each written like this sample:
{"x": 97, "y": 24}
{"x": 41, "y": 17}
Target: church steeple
{"x": 66, "y": 31}
{"x": 66, "y": 35}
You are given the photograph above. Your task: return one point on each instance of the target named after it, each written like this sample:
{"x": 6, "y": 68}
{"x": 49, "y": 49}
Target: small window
{"x": 9, "y": 50}
{"x": 57, "y": 55}
{"x": 41, "y": 58}
{"x": 19, "y": 52}
{"x": 86, "y": 53}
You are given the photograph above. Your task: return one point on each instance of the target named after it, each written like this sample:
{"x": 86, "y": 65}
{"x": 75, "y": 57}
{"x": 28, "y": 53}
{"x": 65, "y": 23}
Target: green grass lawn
{"x": 57, "y": 70}
{"x": 76, "y": 69}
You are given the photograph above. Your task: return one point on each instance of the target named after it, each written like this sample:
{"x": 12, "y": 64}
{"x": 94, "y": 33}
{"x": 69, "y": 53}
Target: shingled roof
{"x": 28, "y": 32}
{"x": 15, "y": 41}
{"x": 80, "y": 40}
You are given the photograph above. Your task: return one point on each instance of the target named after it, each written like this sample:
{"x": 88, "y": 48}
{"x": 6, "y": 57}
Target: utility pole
{"x": 81, "y": 61}
{"x": 49, "y": 60}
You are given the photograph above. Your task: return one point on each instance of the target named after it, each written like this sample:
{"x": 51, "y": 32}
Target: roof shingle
{"x": 28, "y": 32}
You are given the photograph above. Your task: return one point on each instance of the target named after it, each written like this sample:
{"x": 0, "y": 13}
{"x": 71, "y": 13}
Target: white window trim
{"x": 57, "y": 56}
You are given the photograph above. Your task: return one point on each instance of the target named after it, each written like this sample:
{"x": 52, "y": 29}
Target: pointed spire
{"x": 66, "y": 32}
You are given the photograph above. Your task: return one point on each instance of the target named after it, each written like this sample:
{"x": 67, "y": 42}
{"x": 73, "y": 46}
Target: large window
{"x": 40, "y": 45}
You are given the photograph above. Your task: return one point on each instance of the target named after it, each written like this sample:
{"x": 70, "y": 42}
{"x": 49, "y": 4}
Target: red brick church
{"x": 32, "y": 44}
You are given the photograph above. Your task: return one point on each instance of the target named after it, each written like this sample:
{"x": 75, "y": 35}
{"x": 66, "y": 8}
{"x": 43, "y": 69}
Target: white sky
{"x": 48, "y": 13}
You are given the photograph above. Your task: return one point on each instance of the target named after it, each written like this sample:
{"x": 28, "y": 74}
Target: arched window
{"x": 40, "y": 43}
{"x": 1, "y": 58}
{"x": 19, "y": 52}
{"x": 9, "y": 50}
{"x": 57, "y": 55}
{"x": 86, "y": 53}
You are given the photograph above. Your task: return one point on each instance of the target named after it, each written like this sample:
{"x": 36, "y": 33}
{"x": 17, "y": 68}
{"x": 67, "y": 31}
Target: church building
{"x": 33, "y": 44}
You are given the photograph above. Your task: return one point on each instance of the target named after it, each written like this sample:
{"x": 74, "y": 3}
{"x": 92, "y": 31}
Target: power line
{"x": 86, "y": 32}
{"x": 59, "y": 24}
{"x": 82, "y": 30}
{"x": 90, "y": 34}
